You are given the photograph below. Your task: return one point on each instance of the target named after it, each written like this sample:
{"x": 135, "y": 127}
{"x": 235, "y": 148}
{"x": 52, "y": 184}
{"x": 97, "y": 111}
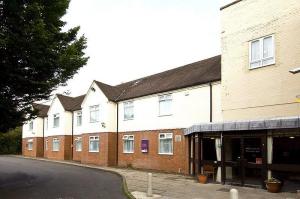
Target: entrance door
{"x": 243, "y": 160}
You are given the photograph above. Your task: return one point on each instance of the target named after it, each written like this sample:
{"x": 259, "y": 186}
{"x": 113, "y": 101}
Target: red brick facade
{"x": 37, "y": 147}
{"x": 176, "y": 163}
{"x": 65, "y": 151}
{"x": 107, "y": 149}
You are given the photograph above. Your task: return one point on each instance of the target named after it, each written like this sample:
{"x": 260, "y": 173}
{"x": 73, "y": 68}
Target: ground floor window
{"x": 286, "y": 150}
{"x": 94, "y": 144}
{"x": 128, "y": 144}
{"x": 46, "y": 145}
{"x": 55, "y": 144}
{"x": 165, "y": 143}
{"x": 30, "y": 144}
{"x": 78, "y": 144}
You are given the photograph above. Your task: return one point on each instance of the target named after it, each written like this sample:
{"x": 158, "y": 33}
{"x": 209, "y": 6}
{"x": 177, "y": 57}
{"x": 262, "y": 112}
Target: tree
{"x": 36, "y": 55}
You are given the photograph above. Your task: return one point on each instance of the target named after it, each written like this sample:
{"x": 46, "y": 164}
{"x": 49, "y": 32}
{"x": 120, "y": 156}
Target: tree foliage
{"x": 36, "y": 54}
{"x": 11, "y": 142}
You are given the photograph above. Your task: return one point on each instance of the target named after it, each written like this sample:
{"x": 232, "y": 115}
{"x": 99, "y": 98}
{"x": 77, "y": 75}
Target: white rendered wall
{"x": 189, "y": 106}
{"x": 37, "y": 130}
{"x": 107, "y": 112}
{"x": 65, "y": 120}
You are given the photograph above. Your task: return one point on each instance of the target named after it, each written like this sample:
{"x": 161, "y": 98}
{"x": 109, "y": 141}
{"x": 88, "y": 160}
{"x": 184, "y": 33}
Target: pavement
{"x": 25, "y": 178}
{"x": 173, "y": 186}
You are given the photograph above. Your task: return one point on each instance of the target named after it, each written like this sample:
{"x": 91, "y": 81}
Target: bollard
{"x": 234, "y": 194}
{"x": 149, "y": 191}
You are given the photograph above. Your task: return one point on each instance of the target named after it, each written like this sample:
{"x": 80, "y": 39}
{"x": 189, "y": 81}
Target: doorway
{"x": 244, "y": 160}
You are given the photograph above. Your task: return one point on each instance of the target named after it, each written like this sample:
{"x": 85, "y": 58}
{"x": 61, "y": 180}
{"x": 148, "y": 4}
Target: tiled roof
{"x": 70, "y": 103}
{"x": 42, "y": 109}
{"x": 201, "y": 72}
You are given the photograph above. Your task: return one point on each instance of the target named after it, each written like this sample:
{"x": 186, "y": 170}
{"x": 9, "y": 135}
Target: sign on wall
{"x": 145, "y": 146}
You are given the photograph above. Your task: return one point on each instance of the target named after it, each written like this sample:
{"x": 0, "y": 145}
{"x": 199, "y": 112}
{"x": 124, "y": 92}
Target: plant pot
{"x": 273, "y": 187}
{"x": 202, "y": 178}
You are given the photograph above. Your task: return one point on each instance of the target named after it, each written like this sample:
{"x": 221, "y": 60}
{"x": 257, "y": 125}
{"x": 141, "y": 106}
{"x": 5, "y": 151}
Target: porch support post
{"x": 223, "y": 169}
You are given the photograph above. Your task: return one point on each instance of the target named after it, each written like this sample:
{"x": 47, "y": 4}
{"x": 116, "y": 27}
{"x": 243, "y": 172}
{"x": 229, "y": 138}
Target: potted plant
{"x": 273, "y": 185}
{"x": 202, "y": 178}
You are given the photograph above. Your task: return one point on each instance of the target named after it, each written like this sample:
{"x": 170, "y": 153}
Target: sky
{"x": 130, "y": 39}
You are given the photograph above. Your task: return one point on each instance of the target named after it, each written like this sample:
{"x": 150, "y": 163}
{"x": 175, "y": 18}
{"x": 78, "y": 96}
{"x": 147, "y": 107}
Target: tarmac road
{"x": 32, "y": 179}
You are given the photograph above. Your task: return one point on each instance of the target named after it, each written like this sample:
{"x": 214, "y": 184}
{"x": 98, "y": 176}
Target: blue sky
{"x": 129, "y": 39}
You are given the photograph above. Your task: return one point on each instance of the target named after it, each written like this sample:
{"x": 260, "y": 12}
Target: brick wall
{"x": 37, "y": 148}
{"x": 65, "y": 150}
{"x": 107, "y": 149}
{"x": 177, "y": 163}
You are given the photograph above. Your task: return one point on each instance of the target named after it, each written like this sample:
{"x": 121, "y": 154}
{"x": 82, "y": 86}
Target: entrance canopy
{"x": 273, "y": 123}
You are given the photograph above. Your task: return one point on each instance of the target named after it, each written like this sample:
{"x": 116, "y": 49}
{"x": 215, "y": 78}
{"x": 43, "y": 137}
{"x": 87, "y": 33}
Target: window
{"x": 94, "y": 144}
{"x": 128, "y": 144}
{"x": 46, "y": 145}
{"x": 165, "y": 143}
{"x": 261, "y": 52}
{"x": 165, "y": 105}
{"x": 30, "y": 125}
{"x": 128, "y": 110}
{"x": 55, "y": 144}
{"x": 78, "y": 144}
{"x": 46, "y": 123}
{"x": 79, "y": 118}
{"x": 30, "y": 144}
{"x": 94, "y": 113}
{"x": 56, "y": 120}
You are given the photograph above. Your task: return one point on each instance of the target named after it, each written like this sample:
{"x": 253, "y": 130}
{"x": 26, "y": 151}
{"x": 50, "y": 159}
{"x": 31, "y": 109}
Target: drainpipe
{"x": 210, "y": 98}
{"x": 72, "y": 137}
{"x": 43, "y": 137}
{"x": 117, "y": 158}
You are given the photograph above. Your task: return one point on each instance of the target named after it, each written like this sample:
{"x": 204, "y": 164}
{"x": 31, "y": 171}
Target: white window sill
{"x": 78, "y": 151}
{"x": 256, "y": 67}
{"x": 29, "y": 149}
{"x": 55, "y": 150}
{"x": 165, "y": 153}
{"x": 128, "y": 152}
{"x": 165, "y": 115}
{"x": 94, "y": 121}
{"x": 128, "y": 119}
{"x": 93, "y": 151}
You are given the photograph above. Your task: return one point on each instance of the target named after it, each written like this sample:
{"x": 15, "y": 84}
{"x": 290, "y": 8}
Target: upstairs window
{"x": 56, "y": 120}
{"x": 78, "y": 144}
{"x": 166, "y": 143}
{"x": 55, "y": 144}
{"x": 94, "y": 144}
{"x": 30, "y": 144}
{"x": 79, "y": 118}
{"x": 128, "y": 110}
{"x": 30, "y": 125}
{"x": 165, "y": 105}
{"x": 128, "y": 144}
{"x": 94, "y": 113}
{"x": 262, "y": 52}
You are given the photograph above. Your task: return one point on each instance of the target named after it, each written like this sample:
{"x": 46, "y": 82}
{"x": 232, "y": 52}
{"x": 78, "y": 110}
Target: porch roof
{"x": 273, "y": 123}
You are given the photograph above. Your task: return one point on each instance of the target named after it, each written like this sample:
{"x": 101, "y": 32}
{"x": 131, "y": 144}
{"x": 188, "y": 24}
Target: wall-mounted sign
{"x": 145, "y": 146}
{"x": 177, "y": 138}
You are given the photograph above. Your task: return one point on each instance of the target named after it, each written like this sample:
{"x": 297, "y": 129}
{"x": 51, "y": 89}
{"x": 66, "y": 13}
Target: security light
{"x": 295, "y": 70}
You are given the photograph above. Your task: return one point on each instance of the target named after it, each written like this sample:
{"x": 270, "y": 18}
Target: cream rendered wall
{"x": 189, "y": 106}
{"x": 65, "y": 120}
{"x": 37, "y": 130}
{"x": 107, "y": 112}
{"x": 268, "y": 91}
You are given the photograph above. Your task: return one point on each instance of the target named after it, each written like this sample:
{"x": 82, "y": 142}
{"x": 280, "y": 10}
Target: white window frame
{"x": 46, "y": 145}
{"x": 29, "y": 144}
{"x": 165, "y": 98}
{"x": 79, "y": 115}
{"x": 128, "y": 105}
{"x": 128, "y": 138}
{"x": 55, "y": 140}
{"x": 261, "y": 53}
{"x": 165, "y": 136}
{"x": 30, "y": 126}
{"x": 56, "y": 116}
{"x": 93, "y": 139}
{"x": 95, "y": 108}
{"x": 78, "y": 140}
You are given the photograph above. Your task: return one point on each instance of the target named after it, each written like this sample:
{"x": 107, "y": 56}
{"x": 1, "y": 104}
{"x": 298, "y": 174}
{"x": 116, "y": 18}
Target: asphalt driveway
{"x": 32, "y": 179}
